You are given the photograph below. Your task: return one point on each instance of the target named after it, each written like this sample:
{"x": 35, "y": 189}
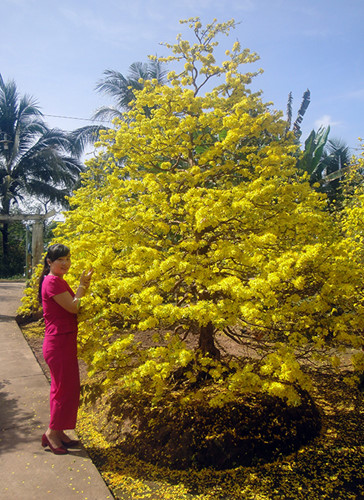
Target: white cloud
{"x": 325, "y": 121}
{"x": 356, "y": 94}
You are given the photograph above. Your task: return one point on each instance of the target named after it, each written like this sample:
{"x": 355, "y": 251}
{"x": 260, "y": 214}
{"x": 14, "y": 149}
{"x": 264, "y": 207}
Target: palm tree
{"x": 34, "y": 160}
{"x": 122, "y": 90}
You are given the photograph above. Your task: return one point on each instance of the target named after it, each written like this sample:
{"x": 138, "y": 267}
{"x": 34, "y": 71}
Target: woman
{"x": 60, "y": 309}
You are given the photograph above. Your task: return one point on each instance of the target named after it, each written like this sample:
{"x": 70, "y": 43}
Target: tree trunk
{"x": 5, "y": 245}
{"x": 5, "y": 210}
{"x": 206, "y": 343}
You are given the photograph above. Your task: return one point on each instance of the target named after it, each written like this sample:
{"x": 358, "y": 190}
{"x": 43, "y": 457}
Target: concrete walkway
{"x": 27, "y": 471}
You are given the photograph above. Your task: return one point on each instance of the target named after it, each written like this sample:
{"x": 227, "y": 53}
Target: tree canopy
{"x": 197, "y": 220}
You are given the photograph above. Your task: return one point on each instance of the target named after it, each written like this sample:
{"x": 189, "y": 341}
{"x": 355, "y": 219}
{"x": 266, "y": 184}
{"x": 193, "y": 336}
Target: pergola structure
{"x": 37, "y": 235}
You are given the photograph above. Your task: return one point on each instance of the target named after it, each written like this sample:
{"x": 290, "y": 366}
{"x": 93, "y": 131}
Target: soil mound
{"x": 252, "y": 429}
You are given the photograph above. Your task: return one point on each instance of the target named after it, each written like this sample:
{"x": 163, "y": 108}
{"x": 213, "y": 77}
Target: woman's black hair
{"x": 54, "y": 252}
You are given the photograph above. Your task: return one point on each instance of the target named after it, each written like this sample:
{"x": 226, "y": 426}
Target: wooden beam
{"x": 35, "y": 217}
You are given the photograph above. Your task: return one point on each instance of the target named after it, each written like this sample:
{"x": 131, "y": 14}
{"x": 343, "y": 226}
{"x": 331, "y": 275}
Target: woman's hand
{"x": 72, "y": 304}
{"x": 85, "y": 279}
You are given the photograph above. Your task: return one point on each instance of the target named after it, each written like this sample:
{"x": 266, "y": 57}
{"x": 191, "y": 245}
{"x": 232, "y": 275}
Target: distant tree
{"x": 323, "y": 159}
{"x": 310, "y": 160}
{"x": 34, "y": 160}
{"x": 326, "y": 161}
{"x": 16, "y": 244}
{"x": 335, "y": 161}
{"x": 122, "y": 90}
{"x": 296, "y": 128}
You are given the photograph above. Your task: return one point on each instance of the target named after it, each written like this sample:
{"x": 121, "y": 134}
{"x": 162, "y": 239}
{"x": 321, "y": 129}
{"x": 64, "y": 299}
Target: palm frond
{"x": 122, "y": 88}
{"x": 46, "y": 191}
{"x": 84, "y": 136}
{"x": 158, "y": 71}
{"x": 138, "y": 70}
{"x": 112, "y": 83}
{"x": 107, "y": 113}
{"x": 28, "y": 108}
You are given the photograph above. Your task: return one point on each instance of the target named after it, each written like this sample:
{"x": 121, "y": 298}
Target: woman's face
{"x": 60, "y": 266}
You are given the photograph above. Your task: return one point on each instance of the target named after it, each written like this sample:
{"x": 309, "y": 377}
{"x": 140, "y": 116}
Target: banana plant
{"x": 311, "y": 160}
{"x": 326, "y": 162}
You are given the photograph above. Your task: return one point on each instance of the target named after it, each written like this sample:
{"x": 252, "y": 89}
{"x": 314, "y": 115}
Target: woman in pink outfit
{"x": 60, "y": 309}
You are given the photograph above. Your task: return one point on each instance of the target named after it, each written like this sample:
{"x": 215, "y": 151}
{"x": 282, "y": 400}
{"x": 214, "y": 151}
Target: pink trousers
{"x": 60, "y": 354}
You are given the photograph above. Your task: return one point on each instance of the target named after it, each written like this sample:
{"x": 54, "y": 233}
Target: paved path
{"x": 27, "y": 471}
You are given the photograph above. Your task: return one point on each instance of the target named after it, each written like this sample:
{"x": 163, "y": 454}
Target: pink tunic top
{"x": 57, "y": 319}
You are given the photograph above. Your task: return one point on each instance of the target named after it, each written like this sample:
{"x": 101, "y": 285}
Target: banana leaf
{"x": 314, "y": 146}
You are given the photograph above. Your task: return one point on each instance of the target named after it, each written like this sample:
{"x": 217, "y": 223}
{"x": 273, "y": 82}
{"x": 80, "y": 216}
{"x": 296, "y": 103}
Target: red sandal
{"x": 56, "y": 451}
{"x": 70, "y": 444}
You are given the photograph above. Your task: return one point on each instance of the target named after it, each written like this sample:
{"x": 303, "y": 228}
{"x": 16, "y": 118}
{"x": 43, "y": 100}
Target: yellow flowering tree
{"x": 196, "y": 220}
{"x": 351, "y": 245}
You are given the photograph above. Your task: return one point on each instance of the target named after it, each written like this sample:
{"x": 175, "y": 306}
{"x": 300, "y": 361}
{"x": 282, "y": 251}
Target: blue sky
{"x": 57, "y": 50}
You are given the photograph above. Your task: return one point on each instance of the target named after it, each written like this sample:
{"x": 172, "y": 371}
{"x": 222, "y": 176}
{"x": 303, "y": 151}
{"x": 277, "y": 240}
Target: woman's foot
{"x": 67, "y": 442}
{"x": 54, "y": 437}
{"x": 52, "y": 443}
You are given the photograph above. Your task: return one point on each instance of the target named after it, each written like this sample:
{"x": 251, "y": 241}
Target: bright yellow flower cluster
{"x": 196, "y": 215}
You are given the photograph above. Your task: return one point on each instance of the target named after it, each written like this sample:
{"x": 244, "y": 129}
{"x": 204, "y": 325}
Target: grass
{"x": 17, "y": 277}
